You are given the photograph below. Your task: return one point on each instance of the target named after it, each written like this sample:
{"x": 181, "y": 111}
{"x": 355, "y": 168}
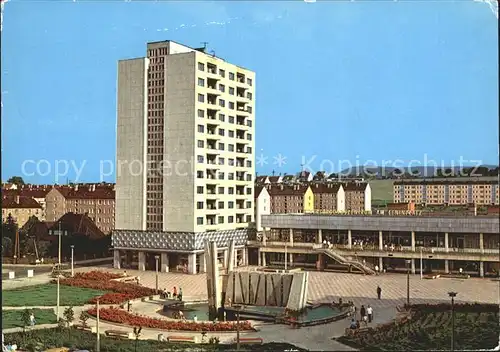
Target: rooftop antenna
{"x": 273, "y": 172}
{"x": 213, "y": 53}
{"x": 302, "y": 167}
{"x": 204, "y": 45}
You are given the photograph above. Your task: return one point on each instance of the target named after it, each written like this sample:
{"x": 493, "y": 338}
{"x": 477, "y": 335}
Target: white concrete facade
{"x": 131, "y": 129}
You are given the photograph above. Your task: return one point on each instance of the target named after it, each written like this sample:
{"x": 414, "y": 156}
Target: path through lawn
{"x": 46, "y": 296}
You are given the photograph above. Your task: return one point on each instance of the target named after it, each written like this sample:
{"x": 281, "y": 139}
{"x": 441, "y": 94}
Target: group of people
{"x": 174, "y": 294}
{"x": 366, "y": 316}
{"x": 365, "y": 313}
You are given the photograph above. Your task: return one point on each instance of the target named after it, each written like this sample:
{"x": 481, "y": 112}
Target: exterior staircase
{"x": 344, "y": 261}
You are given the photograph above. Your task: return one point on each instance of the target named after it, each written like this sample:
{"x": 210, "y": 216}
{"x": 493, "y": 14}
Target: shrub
{"x": 83, "y": 318}
{"x": 122, "y": 317}
{"x": 41, "y": 340}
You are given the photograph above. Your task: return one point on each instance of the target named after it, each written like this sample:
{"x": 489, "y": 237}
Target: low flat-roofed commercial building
{"x": 442, "y": 244}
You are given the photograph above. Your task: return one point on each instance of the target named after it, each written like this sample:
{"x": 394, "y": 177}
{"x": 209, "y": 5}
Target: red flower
{"x": 120, "y": 291}
{"x": 122, "y": 317}
{"x": 97, "y": 276}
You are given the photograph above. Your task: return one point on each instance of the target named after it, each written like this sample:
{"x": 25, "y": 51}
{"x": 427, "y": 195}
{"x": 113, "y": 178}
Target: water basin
{"x": 312, "y": 315}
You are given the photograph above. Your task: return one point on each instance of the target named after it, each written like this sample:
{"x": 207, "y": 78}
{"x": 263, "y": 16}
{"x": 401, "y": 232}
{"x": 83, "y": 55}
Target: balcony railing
{"x": 401, "y": 249}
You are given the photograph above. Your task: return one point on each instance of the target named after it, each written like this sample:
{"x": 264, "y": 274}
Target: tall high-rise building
{"x": 185, "y": 143}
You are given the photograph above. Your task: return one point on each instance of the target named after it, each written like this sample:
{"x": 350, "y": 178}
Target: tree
{"x": 17, "y": 180}
{"x": 396, "y": 173}
{"x": 6, "y": 246}
{"x": 26, "y": 319}
{"x": 83, "y": 318}
{"x": 69, "y": 316}
{"x": 137, "y": 334}
{"x": 9, "y": 227}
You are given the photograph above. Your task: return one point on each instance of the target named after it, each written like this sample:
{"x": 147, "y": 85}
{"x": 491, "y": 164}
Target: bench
{"x": 117, "y": 333}
{"x": 126, "y": 279}
{"x": 250, "y": 340}
{"x": 82, "y": 327}
{"x": 187, "y": 339}
{"x": 354, "y": 332}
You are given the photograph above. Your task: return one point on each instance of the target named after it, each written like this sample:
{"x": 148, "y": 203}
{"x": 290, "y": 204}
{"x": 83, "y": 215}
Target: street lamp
{"x": 408, "y": 261}
{"x": 98, "y": 340}
{"x": 58, "y": 273}
{"x": 421, "y": 264}
{"x": 72, "y": 260}
{"x": 452, "y": 295}
{"x": 286, "y": 256}
{"x": 156, "y": 262}
{"x": 237, "y": 307}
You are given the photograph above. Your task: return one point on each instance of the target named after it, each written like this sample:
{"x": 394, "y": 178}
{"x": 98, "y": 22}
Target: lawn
{"x": 13, "y": 318}
{"x": 382, "y": 190}
{"x": 476, "y": 327}
{"x": 45, "y": 296}
{"x": 51, "y": 338}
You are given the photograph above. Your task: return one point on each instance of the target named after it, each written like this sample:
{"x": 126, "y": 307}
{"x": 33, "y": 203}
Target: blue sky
{"x": 372, "y": 80}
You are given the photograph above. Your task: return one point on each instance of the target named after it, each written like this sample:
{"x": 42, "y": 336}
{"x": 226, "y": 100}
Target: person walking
{"x": 180, "y": 294}
{"x": 369, "y": 311}
{"x": 174, "y": 292}
{"x": 379, "y": 292}
{"x": 362, "y": 312}
{"x": 32, "y": 319}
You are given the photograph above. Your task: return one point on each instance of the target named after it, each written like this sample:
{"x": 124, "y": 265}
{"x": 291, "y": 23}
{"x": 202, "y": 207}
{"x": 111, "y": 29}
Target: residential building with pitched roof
{"x": 262, "y": 205}
{"x": 291, "y": 199}
{"x": 328, "y": 197}
{"x": 96, "y": 200}
{"x": 358, "y": 196}
{"x": 20, "y": 208}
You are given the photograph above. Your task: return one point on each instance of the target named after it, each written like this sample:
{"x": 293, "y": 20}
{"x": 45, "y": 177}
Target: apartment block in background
{"x": 328, "y": 197}
{"x": 95, "y": 200}
{"x": 358, "y": 196}
{"x": 447, "y": 192}
{"x": 291, "y": 199}
{"x": 20, "y": 208}
{"x": 37, "y": 192}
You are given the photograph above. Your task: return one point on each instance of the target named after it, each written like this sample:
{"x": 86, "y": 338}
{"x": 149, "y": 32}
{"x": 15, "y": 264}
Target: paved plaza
{"x": 361, "y": 289}
{"x": 323, "y": 287}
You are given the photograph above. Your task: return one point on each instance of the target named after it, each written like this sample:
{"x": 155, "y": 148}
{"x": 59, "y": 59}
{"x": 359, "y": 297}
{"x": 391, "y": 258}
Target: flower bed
{"x": 97, "y": 276}
{"x": 120, "y": 291}
{"x": 112, "y": 298}
{"x": 115, "y": 315}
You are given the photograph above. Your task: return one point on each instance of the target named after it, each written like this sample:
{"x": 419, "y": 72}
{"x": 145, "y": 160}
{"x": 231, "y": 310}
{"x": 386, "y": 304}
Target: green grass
{"x": 13, "y": 318}
{"x": 45, "y": 296}
{"x": 382, "y": 190}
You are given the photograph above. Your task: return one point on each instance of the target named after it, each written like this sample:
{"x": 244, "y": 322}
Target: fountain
{"x": 279, "y": 297}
